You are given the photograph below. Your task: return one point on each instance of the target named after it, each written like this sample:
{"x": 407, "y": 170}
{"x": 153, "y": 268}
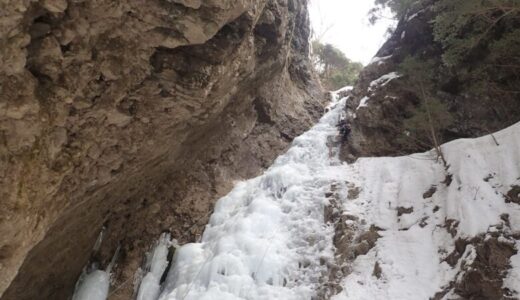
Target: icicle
{"x": 94, "y": 283}
{"x": 99, "y": 240}
{"x": 156, "y": 265}
{"x": 93, "y": 286}
{"x": 114, "y": 259}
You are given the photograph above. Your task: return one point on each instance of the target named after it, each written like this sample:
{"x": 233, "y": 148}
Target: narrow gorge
{"x": 188, "y": 149}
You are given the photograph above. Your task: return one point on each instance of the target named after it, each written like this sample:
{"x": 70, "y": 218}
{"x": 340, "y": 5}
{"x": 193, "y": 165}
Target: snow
{"x": 265, "y": 238}
{"x": 413, "y": 16}
{"x": 410, "y": 252}
{"x": 384, "y": 80}
{"x": 363, "y": 102}
{"x": 343, "y": 89}
{"x": 512, "y": 281}
{"x": 379, "y": 60}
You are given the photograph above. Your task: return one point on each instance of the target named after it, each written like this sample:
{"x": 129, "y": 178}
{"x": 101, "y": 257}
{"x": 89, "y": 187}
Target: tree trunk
{"x": 433, "y": 132}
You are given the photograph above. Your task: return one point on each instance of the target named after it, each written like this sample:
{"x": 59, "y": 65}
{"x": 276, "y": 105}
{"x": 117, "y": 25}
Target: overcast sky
{"x": 348, "y": 27}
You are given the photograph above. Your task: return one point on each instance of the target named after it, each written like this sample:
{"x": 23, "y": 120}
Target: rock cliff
{"x": 383, "y": 98}
{"x": 136, "y": 115}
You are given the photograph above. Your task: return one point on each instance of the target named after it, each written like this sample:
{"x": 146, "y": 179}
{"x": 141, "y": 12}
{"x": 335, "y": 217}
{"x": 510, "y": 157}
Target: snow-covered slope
{"x": 425, "y": 212}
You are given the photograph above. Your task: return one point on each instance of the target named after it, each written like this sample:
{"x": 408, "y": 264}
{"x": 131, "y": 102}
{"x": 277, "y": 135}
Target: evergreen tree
{"x": 398, "y": 7}
{"x": 431, "y": 117}
{"x": 463, "y": 27}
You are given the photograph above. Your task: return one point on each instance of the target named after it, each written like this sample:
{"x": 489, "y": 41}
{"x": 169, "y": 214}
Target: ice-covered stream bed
{"x": 266, "y": 238}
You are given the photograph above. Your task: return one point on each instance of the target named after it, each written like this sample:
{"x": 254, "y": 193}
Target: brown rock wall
{"x": 137, "y": 115}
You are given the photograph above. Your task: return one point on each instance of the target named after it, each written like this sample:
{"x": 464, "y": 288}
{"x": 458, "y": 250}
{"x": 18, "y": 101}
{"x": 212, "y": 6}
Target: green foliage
{"x": 334, "y": 68}
{"x": 509, "y": 43}
{"x": 430, "y": 113}
{"x": 397, "y": 7}
{"x": 431, "y": 116}
{"x": 463, "y": 27}
{"x": 479, "y": 44}
{"x": 419, "y": 72}
{"x": 345, "y": 76}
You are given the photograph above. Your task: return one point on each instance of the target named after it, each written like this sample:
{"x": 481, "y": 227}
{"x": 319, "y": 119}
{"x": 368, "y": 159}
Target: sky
{"x": 344, "y": 23}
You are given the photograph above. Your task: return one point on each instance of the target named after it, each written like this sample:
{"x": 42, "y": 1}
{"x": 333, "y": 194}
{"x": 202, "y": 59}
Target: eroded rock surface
{"x": 136, "y": 115}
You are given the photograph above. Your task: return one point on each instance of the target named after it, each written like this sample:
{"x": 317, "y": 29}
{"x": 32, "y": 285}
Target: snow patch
{"x": 413, "y": 16}
{"x": 363, "y": 102}
{"x": 343, "y": 89}
{"x": 379, "y": 60}
{"x": 384, "y": 80}
{"x": 512, "y": 281}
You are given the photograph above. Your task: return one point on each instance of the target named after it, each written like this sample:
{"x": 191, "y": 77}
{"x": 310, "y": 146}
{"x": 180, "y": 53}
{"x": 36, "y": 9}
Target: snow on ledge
{"x": 343, "y": 89}
{"x": 363, "y": 102}
{"x": 384, "y": 80}
{"x": 379, "y": 60}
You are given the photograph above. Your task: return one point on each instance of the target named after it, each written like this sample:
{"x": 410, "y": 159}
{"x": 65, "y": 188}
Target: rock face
{"x": 377, "y": 124}
{"x": 136, "y": 115}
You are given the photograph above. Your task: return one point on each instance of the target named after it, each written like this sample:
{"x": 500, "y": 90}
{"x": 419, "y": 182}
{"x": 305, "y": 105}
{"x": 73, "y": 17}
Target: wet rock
{"x": 481, "y": 277}
{"x": 351, "y": 239}
{"x": 377, "y": 271}
{"x": 513, "y": 196}
{"x": 451, "y": 226}
{"x": 353, "y": 193}
{"x": 404, "y": 210}
{"x": 429, "y": 193}
{"x": 484, "y": 279}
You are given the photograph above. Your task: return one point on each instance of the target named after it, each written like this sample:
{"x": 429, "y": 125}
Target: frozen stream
{"x": 265, "y": 239}
{"x": 267, "y": 236}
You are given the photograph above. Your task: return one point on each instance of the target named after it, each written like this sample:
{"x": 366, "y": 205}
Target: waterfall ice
{"x": 156, "y": 266}
{"x": 267, "y": 237}
{"x": 94, "y": 283}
